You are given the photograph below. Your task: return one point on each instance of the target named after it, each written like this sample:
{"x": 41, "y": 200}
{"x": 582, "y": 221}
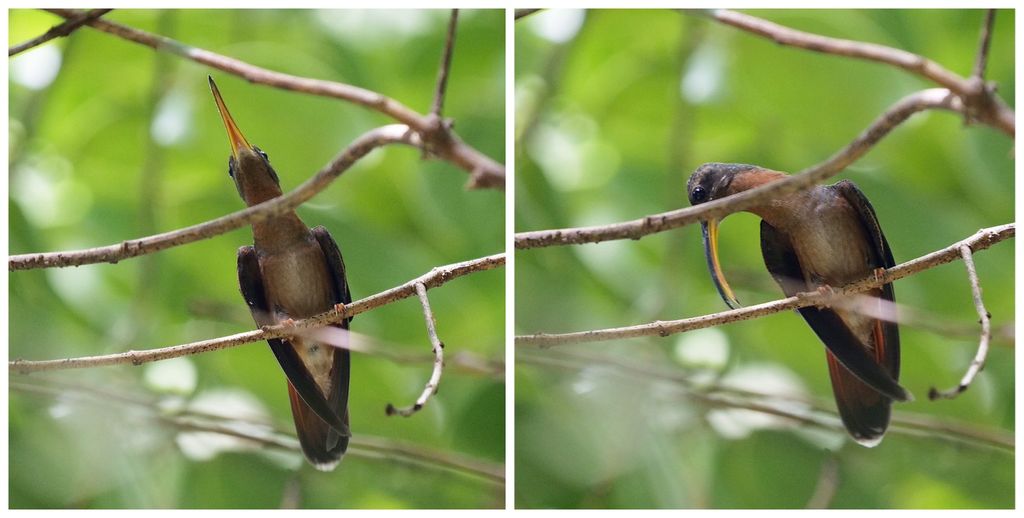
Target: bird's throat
{"x": 279, "y": 233}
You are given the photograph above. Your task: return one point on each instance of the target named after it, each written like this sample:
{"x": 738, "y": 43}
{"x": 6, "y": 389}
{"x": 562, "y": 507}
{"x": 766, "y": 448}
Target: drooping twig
{"x": 446, "y": 65}
{"x": 391, "y": 134}
{"x": 436, "y": 277}
{"x": 984, "y": 41}
{"x": 484, "y": 172}
{"x": 979, "y": 241}
{"x": 982, "y": 103}
{"x": 978, "y": 362}
{"x": 936, "y": 98}
{"x": 58, "y": 31}
{"x": 369, "y": 447}
{"x": 437, "y": 348}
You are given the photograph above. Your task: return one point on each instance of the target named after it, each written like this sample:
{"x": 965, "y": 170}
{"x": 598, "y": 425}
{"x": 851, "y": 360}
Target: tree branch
{"x": 986, "y": 332}
{"x": 58, "y": 31}
{"x": 438, "y": 349}
{"x": 936, "y": 98}
{"x": 984, "y": 41}
{"x": 369, "y": 447}
{"x": 980, "y": 102}
{"x": 446, "y": 65}
{"x": 392, "y": 134}
{"x": 523, "y": 13}
{"x": 812, "y": 414}
{"x": 436, "y": 277}
{"x": 828, "y": 483}
{"x": 979, "y": 241}
{"x": 440, "y": 140}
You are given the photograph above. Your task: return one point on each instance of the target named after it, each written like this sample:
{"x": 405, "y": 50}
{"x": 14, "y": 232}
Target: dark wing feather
{"x": 781, "y": 260}
{"x": 250, "y": 281}
{"x": 864, "y": 411}
{"x": 338, "y": 395}
{"x": 889, "y": 352}
{"x": 785, "y": 268}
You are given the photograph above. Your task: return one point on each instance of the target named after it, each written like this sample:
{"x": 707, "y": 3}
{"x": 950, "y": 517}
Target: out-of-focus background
{"x": 614, "y": 110}
{"x": 111, "y": 140}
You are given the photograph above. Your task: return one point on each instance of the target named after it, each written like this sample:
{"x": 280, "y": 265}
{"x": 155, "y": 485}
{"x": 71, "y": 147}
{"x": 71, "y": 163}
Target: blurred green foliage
{"x": 111, "y": 140}
{"x": 610, "y": 121}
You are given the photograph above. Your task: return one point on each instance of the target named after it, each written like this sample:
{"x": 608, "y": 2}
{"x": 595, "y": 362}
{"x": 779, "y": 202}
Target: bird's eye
{"x": 262, "y": 154}
{"x": 231, "y": 166}
{"x": 699, "y": 195}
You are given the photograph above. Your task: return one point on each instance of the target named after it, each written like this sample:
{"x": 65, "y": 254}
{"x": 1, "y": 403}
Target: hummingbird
{"x": 293, "y": 272}
{"x": 812, "y": 239}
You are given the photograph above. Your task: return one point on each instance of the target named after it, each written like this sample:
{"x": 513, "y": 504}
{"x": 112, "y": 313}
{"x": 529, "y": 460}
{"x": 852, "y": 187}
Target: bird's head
{"x": 711, "y": 182}
{"x": 248, "y": 165}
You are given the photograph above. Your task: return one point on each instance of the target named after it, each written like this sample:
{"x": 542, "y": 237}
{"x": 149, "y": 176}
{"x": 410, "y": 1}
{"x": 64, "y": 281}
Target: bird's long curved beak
{"x": 709, "y": 234}
{"x": 235, "y": 137}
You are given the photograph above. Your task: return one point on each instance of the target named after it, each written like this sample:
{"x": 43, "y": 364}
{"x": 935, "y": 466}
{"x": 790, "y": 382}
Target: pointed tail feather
{"x": 864, "y": 411}
{"x": 322, "y": 446}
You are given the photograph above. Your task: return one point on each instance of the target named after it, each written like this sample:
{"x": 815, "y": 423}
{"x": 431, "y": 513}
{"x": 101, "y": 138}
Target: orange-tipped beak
{"x": 235, "y": 137}
{"x": 709, "y": 233}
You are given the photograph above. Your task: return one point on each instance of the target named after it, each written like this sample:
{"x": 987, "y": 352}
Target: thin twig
{"x": 983, "y": 104}
{"x": 984, "y": 41}
{"x": 445, "y": 67}
{"x": 936, "y": 98}
{"x": 58, "y": 31}
{"x": 979, "y": 241}
{"x": 437, "y": 348}
{"x": 484, "y": 172}
{"x": 385, "y": 135}
{"x": 523, "y": 13}
{"x": 986, "y": 332}
{"x": 828, "y": 482}
{"x": 436, "y": 277}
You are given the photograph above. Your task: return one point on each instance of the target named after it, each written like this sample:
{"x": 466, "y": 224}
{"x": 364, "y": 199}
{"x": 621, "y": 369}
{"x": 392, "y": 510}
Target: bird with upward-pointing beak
{"x": 293, "y": 272}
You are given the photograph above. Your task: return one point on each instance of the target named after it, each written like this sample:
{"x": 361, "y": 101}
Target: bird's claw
{"x": 824, "y": 292}
{"x": 827, "y": 292}
{"x": 879, "y": 274}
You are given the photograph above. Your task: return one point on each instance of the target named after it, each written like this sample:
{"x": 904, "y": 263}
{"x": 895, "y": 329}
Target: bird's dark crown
{"x": 710, "y": 180}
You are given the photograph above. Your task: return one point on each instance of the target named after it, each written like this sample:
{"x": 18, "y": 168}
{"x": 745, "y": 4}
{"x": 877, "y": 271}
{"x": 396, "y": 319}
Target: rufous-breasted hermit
{"x": 827, "y": 235}
{"x": 292, "y": 272}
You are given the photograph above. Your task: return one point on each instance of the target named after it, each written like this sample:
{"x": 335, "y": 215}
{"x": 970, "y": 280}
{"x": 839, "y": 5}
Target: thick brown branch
{"x": 436, "y": 277}
{"x": 392, "y": 134}
{"x": 936, "y": 98}
{"x": 437, "y": 348}
{"x": 979, "y": 241}
{"x": 982, "y": 103}
{"x": 484, "y": 172}
{"x": 58, "y": 31}
{"x": 986, "y": 332}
